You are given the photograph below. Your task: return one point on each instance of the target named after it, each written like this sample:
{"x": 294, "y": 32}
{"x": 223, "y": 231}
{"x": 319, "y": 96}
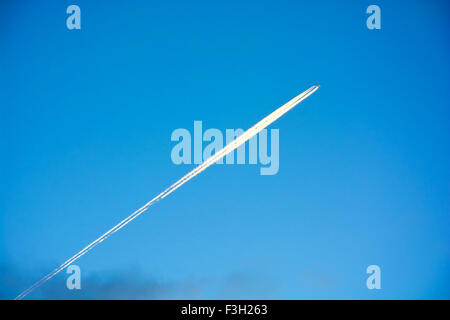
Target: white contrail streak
{"x": 217, "y": 156}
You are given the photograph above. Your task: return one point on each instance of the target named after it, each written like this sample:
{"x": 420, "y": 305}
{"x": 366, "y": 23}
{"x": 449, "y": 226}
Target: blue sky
{"x": 86, "y": 118}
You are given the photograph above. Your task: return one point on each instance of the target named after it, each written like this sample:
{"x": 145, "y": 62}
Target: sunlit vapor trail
{"x": 214, "y": 158}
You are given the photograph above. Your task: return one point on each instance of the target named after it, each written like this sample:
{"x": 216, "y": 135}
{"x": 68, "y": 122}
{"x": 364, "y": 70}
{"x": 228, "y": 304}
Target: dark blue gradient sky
{"x": 86, "y": 118}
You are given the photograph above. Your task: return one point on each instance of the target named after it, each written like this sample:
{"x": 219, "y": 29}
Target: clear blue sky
{"x": 86, "y": 118}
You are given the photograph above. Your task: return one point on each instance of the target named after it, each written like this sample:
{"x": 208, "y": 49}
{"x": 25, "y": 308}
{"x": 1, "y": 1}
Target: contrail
{"x": 217, "y": 156}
